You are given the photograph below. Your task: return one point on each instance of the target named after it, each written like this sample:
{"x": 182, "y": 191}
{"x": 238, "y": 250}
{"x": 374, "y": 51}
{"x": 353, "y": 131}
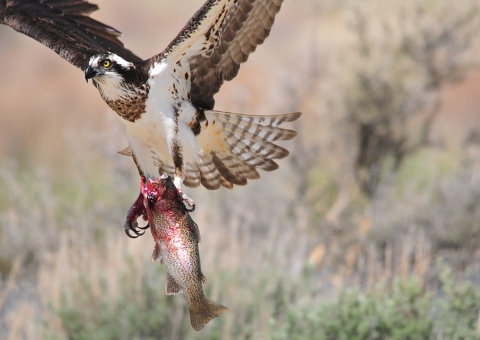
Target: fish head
{"x": 160, "y": 189}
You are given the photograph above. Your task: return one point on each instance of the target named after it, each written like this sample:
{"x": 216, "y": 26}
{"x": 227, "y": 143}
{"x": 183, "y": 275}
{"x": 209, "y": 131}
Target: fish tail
{"x": 203, "y": 311}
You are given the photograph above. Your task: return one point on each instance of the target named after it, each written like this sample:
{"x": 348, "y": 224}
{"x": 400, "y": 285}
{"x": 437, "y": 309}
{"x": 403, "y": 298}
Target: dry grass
{"x": 296, "y": 237}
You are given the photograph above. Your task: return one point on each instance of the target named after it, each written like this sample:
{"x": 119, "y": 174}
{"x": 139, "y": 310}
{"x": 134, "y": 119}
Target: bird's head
{"x": 108, "y": 72}
{"x": 105, "y": 66}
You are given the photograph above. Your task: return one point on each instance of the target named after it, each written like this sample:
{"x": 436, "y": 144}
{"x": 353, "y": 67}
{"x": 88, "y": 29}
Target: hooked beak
{"x": 90, "y": 72}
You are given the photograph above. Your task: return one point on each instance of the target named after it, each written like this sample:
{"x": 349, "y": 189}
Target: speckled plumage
{"x": 166, "y": 102}
{"x": 176, "y": 238}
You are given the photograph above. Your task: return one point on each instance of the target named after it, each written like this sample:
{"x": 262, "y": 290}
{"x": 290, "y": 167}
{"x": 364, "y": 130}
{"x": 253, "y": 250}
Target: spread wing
{"x": 65, "y": 27}
{"x": 216, "y": 40}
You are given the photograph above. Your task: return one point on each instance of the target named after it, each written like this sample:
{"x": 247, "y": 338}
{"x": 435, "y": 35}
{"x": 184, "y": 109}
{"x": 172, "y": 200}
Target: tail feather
{"x": 259, "y": 147}
{"x": 126, "y": 152}
{"x": 168, "y": 168}
{"x": 234, "y": 146}
{"x": 238, "y": 167}
{"x": 259, "y": 132}
{"x": 225, "y": 183}
{"x": 209, "y": 176}
{"x": 227, "y": 173}
{"x": 248, "y": 120}
{"x": 192, "y": 175}
{"x": 204, "y": 311}
{"x": 241, "y": 150}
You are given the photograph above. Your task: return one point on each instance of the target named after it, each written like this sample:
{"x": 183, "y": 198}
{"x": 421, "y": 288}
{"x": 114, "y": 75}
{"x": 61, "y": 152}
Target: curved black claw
{"x": 144, "y": 228}
{"x": 130, "y": 227}
{"x": 136, "y": 210}
{"x": 127, "y": 231}
{"x": 128, "y": 234}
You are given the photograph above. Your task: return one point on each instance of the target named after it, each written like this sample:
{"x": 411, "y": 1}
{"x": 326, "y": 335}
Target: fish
{"x": 176, "y": 238}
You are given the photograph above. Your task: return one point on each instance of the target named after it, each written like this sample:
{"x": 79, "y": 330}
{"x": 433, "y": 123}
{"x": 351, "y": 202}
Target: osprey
{"x": 166, "y": 102}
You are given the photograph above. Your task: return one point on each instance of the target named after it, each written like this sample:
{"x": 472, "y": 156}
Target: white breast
{"x": 156, "y": 127}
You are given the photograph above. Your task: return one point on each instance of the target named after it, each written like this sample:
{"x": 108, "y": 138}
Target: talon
{"x": 134, "y": 230}
{"x": 132, "y": 227}
{"x": 128, "y": 228}
{"x": 187, "y": 201}
{"x": 136, "y": 210}
{"x": 190, "y": 209}
{"x": 127, "y": 231}
{"x": 138, "y": 233}
{"x": 144, "y": 228}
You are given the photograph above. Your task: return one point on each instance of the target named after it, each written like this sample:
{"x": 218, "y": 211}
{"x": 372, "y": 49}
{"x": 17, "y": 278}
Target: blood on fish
{"x": 176, "y": 238}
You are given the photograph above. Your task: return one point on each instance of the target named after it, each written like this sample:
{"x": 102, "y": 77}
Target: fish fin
{"x": 203, "y": 278}
{"x": 204, "y": 311}
{"x": 172, "y": 287}
{"x": 194, "y": 229}
{"x": 156, "y": 255}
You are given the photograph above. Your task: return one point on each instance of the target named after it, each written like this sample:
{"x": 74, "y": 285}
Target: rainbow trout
{"x": 176, "y": 238}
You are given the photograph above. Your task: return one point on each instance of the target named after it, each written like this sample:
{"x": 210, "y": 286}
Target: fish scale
{"x": 176, "y": 238}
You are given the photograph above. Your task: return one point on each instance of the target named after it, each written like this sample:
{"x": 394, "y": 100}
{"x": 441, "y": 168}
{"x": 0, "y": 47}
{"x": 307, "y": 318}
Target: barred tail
{"x": 237, "y": 145}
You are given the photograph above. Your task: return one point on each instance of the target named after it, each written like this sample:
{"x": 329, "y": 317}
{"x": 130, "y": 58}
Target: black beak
{"x": 90, "y": 72}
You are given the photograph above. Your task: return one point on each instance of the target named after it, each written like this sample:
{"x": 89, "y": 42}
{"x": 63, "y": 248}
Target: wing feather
{"x": 65, "y": 27}
{"x": 217, "y": 39}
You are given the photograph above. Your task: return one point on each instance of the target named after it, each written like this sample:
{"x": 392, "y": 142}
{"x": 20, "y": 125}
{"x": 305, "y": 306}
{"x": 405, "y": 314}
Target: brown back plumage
{"x": 216, "y": 47}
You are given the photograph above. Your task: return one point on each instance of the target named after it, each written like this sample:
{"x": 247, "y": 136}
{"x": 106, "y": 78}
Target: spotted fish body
{"x": 176, "y": 238}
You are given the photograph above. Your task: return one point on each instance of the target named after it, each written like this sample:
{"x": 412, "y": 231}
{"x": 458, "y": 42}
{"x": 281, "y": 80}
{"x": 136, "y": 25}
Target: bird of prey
{"x": 166, "y": 102}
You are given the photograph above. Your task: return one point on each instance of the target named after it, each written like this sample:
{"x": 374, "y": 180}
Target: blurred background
{"x": 370, "y": 229}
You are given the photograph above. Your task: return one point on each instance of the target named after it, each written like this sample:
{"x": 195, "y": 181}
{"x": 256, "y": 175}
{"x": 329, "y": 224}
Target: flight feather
{"x": 65, "y": 27}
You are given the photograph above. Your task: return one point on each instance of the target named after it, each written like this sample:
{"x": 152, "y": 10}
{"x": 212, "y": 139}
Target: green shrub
{"x": 457, "y": 313}
{"x": 408, "y": 312}
{"x": 405, "y": 312}
{"x": 137, "y": 312}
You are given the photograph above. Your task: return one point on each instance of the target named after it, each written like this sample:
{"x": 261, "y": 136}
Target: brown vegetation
{"x": 381, "y": 183}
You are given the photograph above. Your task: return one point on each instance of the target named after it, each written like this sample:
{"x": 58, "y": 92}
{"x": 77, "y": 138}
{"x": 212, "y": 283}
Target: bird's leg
{"x": 187, "y": 201}
{"x": 178, "y": 162}
{"x": 136, "y": 210}
{"x": 142, "y": 157}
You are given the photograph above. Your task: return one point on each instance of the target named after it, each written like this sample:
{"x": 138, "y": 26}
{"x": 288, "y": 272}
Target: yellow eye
{"x": 107, "y": 63}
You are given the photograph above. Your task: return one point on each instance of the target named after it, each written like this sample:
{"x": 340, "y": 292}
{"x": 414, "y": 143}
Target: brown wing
{"x": 217, "y": 39}
{"x": 65, "y": 27}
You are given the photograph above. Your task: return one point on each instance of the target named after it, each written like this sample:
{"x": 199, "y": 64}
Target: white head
{"x": 109, "y": 73}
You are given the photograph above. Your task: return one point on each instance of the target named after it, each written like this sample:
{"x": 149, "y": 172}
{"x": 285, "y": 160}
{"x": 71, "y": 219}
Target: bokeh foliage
{"x": 342, "y": 242}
